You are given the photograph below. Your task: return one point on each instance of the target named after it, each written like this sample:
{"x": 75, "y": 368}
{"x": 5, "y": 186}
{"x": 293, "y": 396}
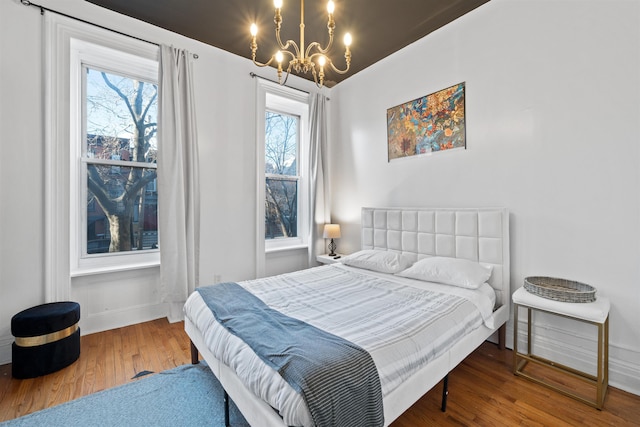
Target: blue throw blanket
{"x": 337, "y": 378}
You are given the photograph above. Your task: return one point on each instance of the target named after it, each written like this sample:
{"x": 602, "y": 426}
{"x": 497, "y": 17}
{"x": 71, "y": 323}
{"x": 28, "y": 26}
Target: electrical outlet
{"x": 217, "y": 278}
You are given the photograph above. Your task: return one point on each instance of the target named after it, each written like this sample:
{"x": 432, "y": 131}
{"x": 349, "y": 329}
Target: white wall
{"x": 225, "y": 108}
{"x": 21, "y": 198}
{"x": 552, "y": 90}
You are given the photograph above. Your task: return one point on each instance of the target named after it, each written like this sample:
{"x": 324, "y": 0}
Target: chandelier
{"x": 302, "y": 60}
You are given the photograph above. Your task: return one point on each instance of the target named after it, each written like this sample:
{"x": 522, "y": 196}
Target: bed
{"x": 415, "y": 236}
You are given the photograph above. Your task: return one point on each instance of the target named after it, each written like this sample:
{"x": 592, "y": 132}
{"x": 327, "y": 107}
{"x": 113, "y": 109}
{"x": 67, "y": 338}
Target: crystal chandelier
{"x": 302, "y": 60}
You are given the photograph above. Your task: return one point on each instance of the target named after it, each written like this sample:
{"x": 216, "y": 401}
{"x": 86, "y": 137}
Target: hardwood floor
{"x": 482, "y": 389}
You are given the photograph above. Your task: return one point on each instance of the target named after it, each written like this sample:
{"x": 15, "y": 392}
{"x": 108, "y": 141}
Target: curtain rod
{"x": 43, "y": 9}
{"x": 254, "y": 75}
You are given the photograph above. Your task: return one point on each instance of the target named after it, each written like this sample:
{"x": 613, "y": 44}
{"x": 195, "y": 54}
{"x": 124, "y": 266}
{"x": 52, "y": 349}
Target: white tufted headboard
{"x": 478, "y": 234}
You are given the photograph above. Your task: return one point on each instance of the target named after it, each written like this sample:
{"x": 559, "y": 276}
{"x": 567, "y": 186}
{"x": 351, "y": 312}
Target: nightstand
{"x": 595, "y": 313}
{"x": 326, "y": 259}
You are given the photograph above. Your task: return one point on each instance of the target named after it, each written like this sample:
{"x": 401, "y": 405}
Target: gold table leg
{"x": 600, "y": 380}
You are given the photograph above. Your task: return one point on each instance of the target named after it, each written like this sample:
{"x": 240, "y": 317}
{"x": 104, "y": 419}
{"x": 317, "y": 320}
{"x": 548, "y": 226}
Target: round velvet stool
{"x": 47, "y": 338}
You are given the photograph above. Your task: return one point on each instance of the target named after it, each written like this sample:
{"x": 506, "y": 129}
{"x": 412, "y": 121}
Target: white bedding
{"x": 382, "y": 313}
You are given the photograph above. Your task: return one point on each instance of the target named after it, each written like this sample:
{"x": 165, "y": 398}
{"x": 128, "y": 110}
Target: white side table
{"x": 595, "y": 313}
{"x": 326, "y": 259}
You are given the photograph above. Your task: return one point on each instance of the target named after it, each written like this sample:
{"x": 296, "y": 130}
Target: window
{"x": 283, "y": 115}
{"x": 281, "y": 175}
{"x": 119, "y": 163}
{"x": 114, "y": 199}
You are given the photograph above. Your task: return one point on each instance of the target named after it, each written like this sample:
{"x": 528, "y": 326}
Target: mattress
{"x": 403, "y": 323}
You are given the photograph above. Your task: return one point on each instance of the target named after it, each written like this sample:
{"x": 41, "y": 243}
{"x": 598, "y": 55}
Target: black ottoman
{"x": 47, "y": 338}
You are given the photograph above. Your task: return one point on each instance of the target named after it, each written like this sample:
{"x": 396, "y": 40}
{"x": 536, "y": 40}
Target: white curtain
{"x": 319, "y": 176}
{"x": 178, "y": 181}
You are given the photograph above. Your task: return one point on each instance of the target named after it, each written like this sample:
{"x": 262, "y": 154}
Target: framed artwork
{"x": 428, "y": 124}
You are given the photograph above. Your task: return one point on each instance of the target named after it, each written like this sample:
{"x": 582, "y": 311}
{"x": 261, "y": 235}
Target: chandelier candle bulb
{"x": 331, "y": 25}
{"x": 321, "y": 61}
{"x": 279, "y": 58}
{"x": 347, "y": 40}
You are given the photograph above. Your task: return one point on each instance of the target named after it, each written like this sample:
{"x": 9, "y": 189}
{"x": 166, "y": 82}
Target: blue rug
{"x": 189, "y": 395}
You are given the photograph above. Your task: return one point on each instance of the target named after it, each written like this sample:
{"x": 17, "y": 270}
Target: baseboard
{"x": 98, "y": 322}
{"x": 5, "y": 349}
{"x": 579, "y": 350}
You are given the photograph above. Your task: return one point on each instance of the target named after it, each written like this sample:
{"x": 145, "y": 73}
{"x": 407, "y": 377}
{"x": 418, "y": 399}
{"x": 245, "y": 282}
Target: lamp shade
{"x": 331, "y": 231}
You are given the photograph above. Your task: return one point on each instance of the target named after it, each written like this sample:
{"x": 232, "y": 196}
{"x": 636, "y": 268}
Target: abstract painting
{"x": 428, "y": 124}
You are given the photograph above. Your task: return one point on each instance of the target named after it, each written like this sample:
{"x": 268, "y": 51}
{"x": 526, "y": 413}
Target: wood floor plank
{"x": 142, "y": 360}
{"x": 118, "y": 358}
{"x": 99, "y": 381}
{"x": 483, "y": 389}
{"x": 129, "y": 352}
{"x": 109, "y": 360}
{"x": 87, "y": 380}
{"x": 152, "y": 360}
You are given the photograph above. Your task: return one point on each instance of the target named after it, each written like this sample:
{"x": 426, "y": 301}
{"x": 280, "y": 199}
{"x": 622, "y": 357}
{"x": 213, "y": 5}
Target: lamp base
{"x": 332, "y": 248}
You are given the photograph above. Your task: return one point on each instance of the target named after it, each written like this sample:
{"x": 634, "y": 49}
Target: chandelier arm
{"x": 319, "y": 47}
{"x": 266, "y": 64}
{"x": 311, "y": 46}
{"x": 285, "y": 46}
{"x": 315, "y": 55}
{"x": 288, "y": 52}
{"x": 330, "y": 63}
{"x": 337, "y": 70}
{"x": 288, "y": 72}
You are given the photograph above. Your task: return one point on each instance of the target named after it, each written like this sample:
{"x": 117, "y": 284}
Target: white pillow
{"x": 450, "y": 271}
{"x": 381, "y": 261}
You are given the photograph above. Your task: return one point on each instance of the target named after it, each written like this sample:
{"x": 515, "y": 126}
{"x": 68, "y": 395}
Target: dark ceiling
{"x": 378, "y": 27}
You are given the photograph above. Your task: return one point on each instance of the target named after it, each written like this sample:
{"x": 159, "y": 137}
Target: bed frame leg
{"x": 445, "y": 393}
{"x": 226, "y": 409}
{"x": 194, "y": 353}
{"x": 502, "y": 336}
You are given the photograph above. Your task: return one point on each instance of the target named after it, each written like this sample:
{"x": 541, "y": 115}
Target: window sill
{"x": 286, "y": 248}
{"x": 113, "y": 269}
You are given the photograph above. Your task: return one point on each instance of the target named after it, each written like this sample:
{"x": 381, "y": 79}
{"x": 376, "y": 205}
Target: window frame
{"x": 85, "y": 54}
{"x": 281, "y": 99}
{"x": 286, "y": 242}
{"x": 61, "y": 191}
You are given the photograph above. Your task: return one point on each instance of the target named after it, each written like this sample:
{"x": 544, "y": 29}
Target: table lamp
{"x": 331, "y": 231}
